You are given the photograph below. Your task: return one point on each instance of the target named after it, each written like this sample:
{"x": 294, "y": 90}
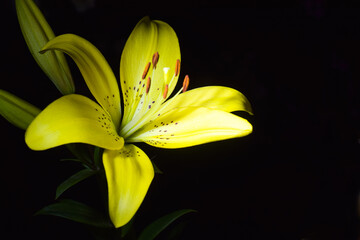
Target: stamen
{"x": 166, "y": 90}
{"x": 177, "y": 67}
{"x": 186, "y": 83}
{"x": 155, "y": 59}
{"x": 148, "y": 83}
{"x": 146, "y": 70}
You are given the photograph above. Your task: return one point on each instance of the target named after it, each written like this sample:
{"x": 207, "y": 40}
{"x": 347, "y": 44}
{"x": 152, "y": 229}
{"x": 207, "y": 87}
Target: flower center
{"x": 145, "y": 100}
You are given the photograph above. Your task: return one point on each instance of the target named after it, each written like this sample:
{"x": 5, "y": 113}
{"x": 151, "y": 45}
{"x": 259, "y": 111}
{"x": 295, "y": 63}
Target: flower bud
{"x": 37, "y": 33}
{"x": 17, "y": 111}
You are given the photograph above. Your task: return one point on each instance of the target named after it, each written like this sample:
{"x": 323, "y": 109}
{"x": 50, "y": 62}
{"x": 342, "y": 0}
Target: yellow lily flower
{"x": 149, "y": 70}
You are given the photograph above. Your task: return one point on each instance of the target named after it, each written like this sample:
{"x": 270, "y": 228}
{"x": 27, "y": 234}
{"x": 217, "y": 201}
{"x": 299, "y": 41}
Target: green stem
{"x": 82, "y": 153}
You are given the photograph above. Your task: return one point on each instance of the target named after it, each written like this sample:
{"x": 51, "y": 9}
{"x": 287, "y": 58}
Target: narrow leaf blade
{"x": 155, "y": 228}
{"x": 76, "y": 211}
{"x": 74, "y": 179}
{"x": 70, "y": 160}
{"x": 156, "y": 169}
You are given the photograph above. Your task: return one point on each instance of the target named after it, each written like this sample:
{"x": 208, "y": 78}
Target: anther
{"x": 148, "y": 83}
{"x": 155, "y": 59}
{"x": 177, "y": 67}
{"x": 186, "y": 83}
{"x": 166, "y": 90}
{"x": 146, "y": 70}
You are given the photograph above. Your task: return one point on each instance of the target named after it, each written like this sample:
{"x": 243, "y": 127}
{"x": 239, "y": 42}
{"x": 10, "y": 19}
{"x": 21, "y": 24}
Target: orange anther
{"x": 146, "y": 70}
{"x": 186, "y": 83}
{"x": 166, "y": 90}
{"x": 155, "y": 59}
{"x": 177, "y": 67}
{"x": 148, "y": 83}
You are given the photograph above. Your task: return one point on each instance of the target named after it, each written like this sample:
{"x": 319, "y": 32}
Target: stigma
{"x": 166, "y": 75}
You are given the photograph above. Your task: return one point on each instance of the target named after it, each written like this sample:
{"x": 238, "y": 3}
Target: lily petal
{"x": 189, "y": 126}
{"x": 72, "y": 119}
{"x": 95, "y": 69}
{"x": 129, "y": 173}
{"x": 37, "y": 33}
{"x": 214, "y": 97}
{"x": 148, "y": 37}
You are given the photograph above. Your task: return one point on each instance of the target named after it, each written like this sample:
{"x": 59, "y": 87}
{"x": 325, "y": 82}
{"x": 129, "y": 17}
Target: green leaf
{"x": 17, "y": 111}
{"x": 98, "y": 156}
{"x": 155, "y": 228}
{"x": 74, "y": 179}
{"x": 127, "y": 227}
{"x": 176, "y": 231}
{"x": 82, "y": 153}
{"x": 70, "y": 160}
{"x": 156, "y": 169}
{"x": 77, "y": 212}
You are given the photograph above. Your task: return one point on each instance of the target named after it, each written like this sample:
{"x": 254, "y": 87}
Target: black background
{"x": 295, "y": 177}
